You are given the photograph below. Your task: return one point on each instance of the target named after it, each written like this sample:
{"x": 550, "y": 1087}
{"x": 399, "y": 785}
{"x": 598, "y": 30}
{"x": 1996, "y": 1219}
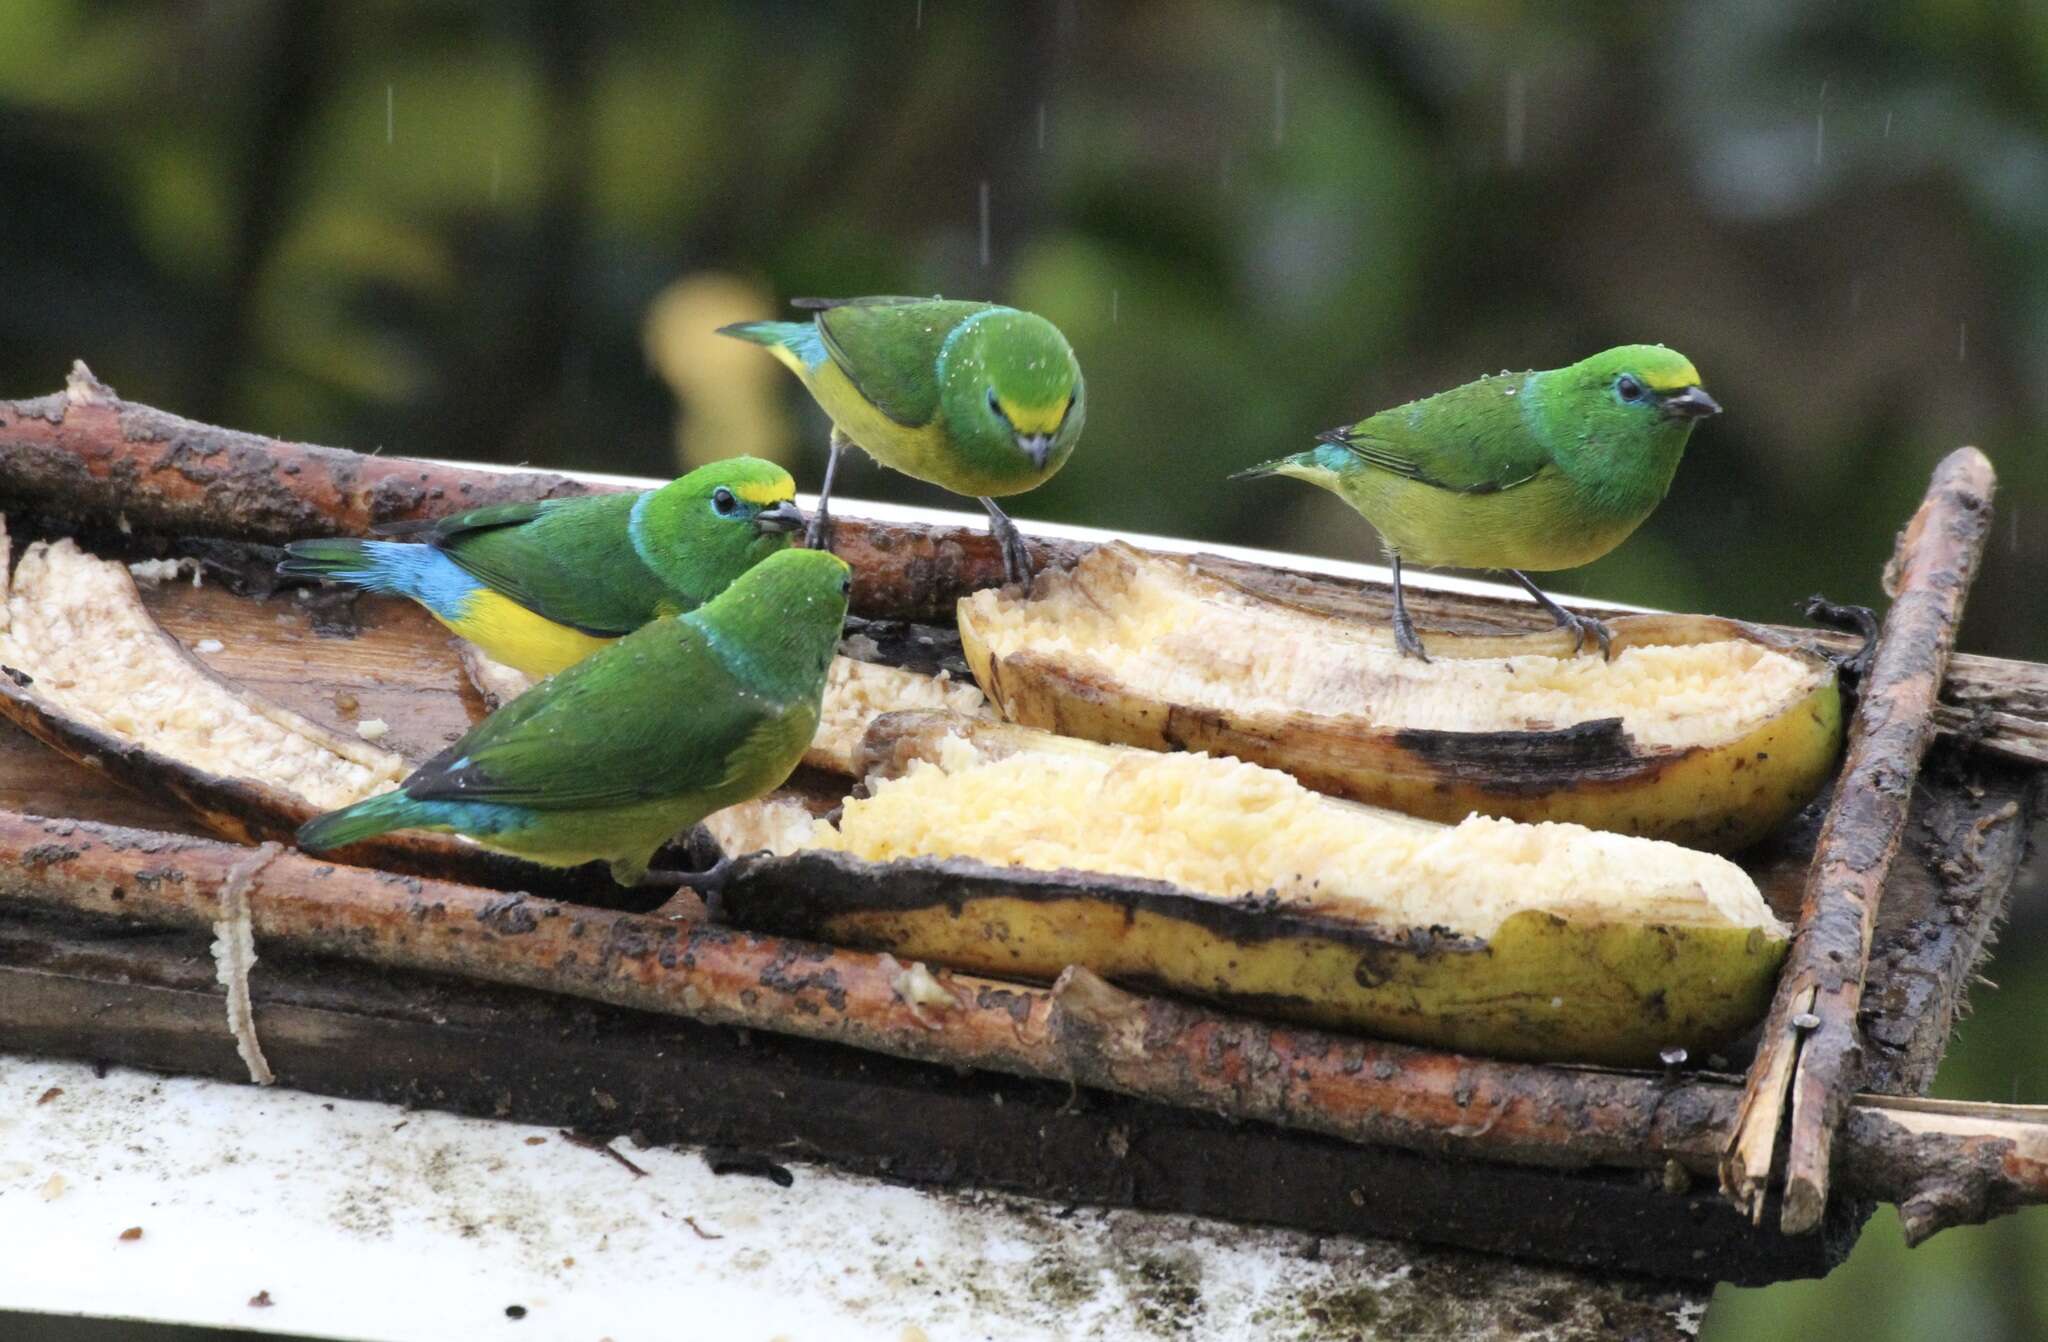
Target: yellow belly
{"x": 510, "y": 633}
{"x": 1540, "y": 526}
{"x": 924, "y": 452}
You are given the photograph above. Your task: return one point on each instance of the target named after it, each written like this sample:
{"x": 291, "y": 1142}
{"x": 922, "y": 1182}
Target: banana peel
{"x": 1702, "y": 731}
{"x": 1545, "y": 942}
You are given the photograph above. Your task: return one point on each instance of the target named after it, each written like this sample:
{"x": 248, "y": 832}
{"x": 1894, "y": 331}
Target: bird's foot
{"x": 1016, "y": 555}
{"x": 1861, "y": 620}
{"x": 691, "y": 890}
{"x": 1404, "y": 628}
{"x": 1405, "y": 637}
{"x": 1580, "y": 625}
{"x": 818, "y": 534}
{"x": 1584, "y": 625}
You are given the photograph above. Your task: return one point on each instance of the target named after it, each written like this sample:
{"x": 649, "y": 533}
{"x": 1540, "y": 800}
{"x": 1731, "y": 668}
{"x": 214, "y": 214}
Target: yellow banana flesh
{"x": 1700, "y": 730}
{"x": 1002, "y": 850}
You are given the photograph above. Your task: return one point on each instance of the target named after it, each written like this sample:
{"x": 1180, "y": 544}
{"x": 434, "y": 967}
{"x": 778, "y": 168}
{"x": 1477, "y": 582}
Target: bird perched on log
{"x": 645, "y": 737}
{"x": 540, "y": 586}
{"x": 983, "y": 400}
{"x": 1521, "y": 471}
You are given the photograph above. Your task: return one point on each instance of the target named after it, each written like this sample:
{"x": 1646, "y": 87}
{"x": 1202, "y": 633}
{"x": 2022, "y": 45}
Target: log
{"x": 1812, "y": 1048}
{"x": 1950, "y": 1164}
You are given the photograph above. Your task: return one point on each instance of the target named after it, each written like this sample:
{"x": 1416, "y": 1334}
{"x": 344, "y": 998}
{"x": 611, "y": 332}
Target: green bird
{"x": 616, "y": 754}
{"x": 541, "y": 586}
{"x": 1543, "y": 470}
{"x": 983, "y": 400}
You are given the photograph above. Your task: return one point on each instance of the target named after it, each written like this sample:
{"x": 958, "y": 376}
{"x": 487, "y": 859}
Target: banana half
{"x": 1008, "y": 851}
{"x": 1702, "y": 731}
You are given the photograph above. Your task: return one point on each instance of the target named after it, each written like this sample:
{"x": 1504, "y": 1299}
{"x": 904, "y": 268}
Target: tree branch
{"x": 1812, "y": 1049}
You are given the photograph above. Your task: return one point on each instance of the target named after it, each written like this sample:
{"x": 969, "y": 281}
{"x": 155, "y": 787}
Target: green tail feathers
{"x": 767, "y": 333}
{"x": 1277, "y": 466}
{"x": 364, "y": 820}
{"x": 1314, "y": 464}
{"x": 324, "y": 558}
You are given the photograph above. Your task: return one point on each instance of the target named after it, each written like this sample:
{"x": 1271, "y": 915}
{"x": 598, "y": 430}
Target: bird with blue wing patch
{"x": 540, "y": 586}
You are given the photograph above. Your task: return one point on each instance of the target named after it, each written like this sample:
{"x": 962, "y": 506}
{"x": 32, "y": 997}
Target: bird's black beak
{"x": 1037, "y": 446}
{"x": 784, "y": 516}
{"x": 1692, "y": 403}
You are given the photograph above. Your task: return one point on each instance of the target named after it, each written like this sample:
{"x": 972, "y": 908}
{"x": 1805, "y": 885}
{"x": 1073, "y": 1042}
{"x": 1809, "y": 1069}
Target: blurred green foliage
{"x": 440, "y": 228}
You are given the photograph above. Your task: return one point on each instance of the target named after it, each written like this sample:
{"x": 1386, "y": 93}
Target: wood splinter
{"x": 1811, "y": 1052}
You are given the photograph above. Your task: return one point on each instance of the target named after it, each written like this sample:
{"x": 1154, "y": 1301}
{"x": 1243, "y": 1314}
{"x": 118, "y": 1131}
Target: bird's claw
{"x": 1016, "y": 558}
{"x": 818, "y": 533}
{"x": 1016, "y": 555}
{"x": 707, "y": 884}
{"x": 1581, "y": 626}
{"x": 1406, "y": 639}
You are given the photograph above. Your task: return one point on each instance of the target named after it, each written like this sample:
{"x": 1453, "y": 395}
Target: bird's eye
{"x": 846, "y": 584}
{"x": 723, "y": 501}
{"x": 1627, "y": 388}
{"x": 994, "y": 408}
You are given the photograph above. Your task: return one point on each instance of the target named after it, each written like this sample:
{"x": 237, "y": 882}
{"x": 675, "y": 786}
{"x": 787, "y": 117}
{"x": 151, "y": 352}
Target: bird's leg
{"x": 1016, "y": 559}
{"x": 818, "y": 536}
{"x": 1580, "y": 625}
{"x": 703, "y": 887}
{"x": 1404, "y": 628}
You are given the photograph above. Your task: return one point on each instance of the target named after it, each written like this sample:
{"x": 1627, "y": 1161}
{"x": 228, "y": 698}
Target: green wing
{"x": 570, "y": 560}
{"x": 656, "y": 715}
{"x": 889, "y": 348}
{"x": 1471, "y": 439}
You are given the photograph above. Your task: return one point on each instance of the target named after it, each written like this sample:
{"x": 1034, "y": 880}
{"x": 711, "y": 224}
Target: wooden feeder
{"x": 452, "y": 980}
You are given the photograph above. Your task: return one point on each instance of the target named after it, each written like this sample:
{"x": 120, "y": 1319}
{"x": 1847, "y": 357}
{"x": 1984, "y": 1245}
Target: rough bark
{"x": 1812, "y": 1048}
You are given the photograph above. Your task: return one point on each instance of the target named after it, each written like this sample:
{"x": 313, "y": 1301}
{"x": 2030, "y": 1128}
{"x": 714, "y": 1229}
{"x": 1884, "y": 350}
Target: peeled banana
{"x": 1700, "y": 730}
{"x": 1008, "y": 851}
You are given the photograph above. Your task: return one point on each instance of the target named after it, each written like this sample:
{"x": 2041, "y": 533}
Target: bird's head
{"x": 1012, "y": 392}
{"x": 1642, "y": 385}
{"x": 700, "y": 532}
{"x": 791, "y": 607}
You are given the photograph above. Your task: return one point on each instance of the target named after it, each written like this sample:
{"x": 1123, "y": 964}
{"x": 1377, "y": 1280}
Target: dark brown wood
{"x": 1948, "y": 890}
{"x": 146, "y": 998}
{"x": 1812, "y": 1048}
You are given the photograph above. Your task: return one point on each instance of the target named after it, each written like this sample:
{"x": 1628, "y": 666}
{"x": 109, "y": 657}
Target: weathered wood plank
{"x": 146, "y": 998}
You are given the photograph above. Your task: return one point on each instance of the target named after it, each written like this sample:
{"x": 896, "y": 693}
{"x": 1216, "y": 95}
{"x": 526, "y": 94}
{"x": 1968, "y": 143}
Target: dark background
{"x": 504, "y": 231}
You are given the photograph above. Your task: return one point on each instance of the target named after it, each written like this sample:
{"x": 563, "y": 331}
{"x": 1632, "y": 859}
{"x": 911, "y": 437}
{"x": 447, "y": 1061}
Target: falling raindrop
{"x": 2014, "y": 540}
{"x": 1114, "y": 296}
{"x": 390, "y": 113}
{"x": 1223, "y": 169}
{"x": 497, "y": 173}
{"x": 1518, "y": 116}
{"x": 1820, "y": 126}
{"x": 1887, "y": 125}
{"x": 1962, "y": 342}
{"x": 920, "y": 15}
{"x": 1041, "y": 125}
{"x": 1279, "y": 105}
{"x": 984, "y": 221}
